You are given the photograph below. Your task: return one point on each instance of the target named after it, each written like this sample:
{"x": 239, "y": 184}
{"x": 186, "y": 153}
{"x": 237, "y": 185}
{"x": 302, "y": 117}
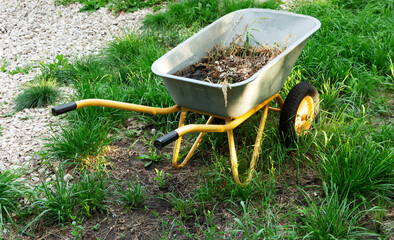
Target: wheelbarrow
{"x": 244, "y": 98}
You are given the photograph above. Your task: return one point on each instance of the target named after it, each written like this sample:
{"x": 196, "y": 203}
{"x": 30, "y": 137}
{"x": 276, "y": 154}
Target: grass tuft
{"x": 93, "y": 191}
{"x": 133, "y": 196}
{"x": 59, "y": 199}
{"x": 354, "y": 161}
{"x": 334, "y": 218}
{"x": 13, "y": 193}
{"x": 64, "y": 199}
{"x": 252, "y": 225}
{"x": 81, "y": 140}
{"x": 40, "y": 93}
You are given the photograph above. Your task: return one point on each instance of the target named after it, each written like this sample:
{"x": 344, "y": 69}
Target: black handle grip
{"x": 166, "y": 139}
{"x": 64, "y": 108}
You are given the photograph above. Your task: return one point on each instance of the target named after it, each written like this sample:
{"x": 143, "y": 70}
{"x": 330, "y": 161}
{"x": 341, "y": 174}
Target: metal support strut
{"x": 231, "y": 123}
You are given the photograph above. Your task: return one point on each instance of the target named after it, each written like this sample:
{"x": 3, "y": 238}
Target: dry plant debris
{"x": 232, "y": 64}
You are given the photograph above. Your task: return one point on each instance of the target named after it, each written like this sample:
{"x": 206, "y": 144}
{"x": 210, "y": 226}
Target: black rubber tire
{"x": 290, "y": 107}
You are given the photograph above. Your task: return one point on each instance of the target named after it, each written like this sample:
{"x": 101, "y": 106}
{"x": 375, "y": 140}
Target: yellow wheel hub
{"x": 305, "y": 115}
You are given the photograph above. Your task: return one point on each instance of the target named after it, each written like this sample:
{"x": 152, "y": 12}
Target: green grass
{"x": 93, "y": 191}
{"x": 335, "y": 217}
{"x": 121, "y": 73}
{"x": 335, "y": 51}
{"x": 83, "y": 140}
{"x": 39, "y": 93}
{"x": 133, "y": 195}
{"x": 200, "y": 13}
{"x": 63, "y": 200}
{"x": 58, "y": 200}
{"x": 13, "y": 191}
{"x": 254, "y": 223}
{"x": 58, "y": 69}
{"x": 358, "y": 160}
{"x": 184, "y": 206}
{"x": 116, "y": 6}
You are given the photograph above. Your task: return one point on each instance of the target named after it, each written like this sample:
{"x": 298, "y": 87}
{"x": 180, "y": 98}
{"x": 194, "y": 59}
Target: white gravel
{"x": 33, "y": 31}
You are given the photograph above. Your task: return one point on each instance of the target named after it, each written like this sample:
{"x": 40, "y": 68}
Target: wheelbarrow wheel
{"x": 300, "y": 110}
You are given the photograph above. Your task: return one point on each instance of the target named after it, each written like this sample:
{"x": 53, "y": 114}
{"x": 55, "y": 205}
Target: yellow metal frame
{"x": 126, "y": 106}
{"x": 231, "y": 124}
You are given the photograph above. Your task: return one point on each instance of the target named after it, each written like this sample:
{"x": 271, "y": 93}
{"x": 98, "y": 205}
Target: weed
{"x": 161, "y": 178}
{"x": 96, "y": 227}
{"x": 93, "y": 191}
{"x": 184, "y": 207}
{"x": 4, "y": 65}
{"x": 24, "y": 70}
{"x": 341, "y": 48}
{"x": 330, "y": 94}
{"x": 167, "y": 229}
{"x": 76, "y": 228}
{"x": 64, "y": 2}
{"x": 134, "y": 196}
{"x": 39, "y": 93}
{"x": 200, "y": 13}
{"x": 379, "y": 213}
{"x": 152, "y": 155}
{"x": 59, "y": 69}
{"x": 355, "y": 162}
{"x": 211, "y": 231}
{"x": 25, "y": 118}
{"x": 92, "y": 5}
{"x": 62, "y": 201}
{"x": 127, "y": 133}
{"x": 10, "y": 114}
{"x": 116, "y": 6}
{"x": 131, "y": 6}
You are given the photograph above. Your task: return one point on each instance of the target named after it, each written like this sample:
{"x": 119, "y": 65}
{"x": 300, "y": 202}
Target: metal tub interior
{"x": 272, "y": 27}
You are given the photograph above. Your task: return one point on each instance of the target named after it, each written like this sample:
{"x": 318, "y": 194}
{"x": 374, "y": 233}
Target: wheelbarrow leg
{"x": 179, "y": 140}
{"x": 177, "y": 147}
{"x": 233, "y": 153}
{"x": 196, "y": 143}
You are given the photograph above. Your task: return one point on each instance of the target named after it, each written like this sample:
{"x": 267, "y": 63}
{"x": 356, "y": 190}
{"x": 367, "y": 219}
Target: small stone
{"x": 41, "y": 171}
{"x": 35, "y": 179}
{"x": 68, "y": 177}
